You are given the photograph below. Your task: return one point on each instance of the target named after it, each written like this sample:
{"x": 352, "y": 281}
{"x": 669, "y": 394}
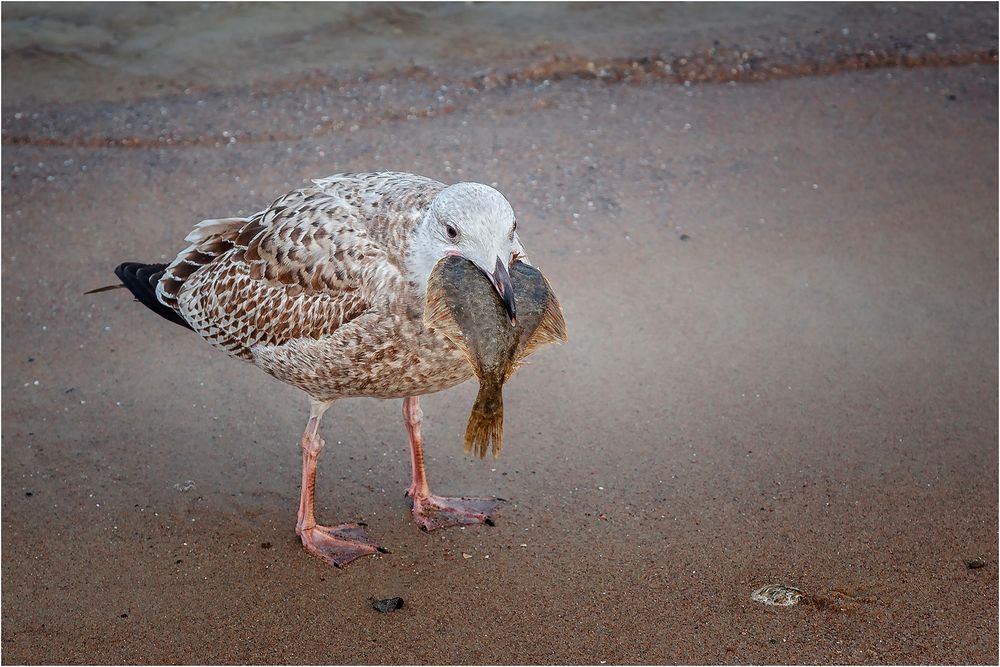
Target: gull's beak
{"x": 501, "y": 281}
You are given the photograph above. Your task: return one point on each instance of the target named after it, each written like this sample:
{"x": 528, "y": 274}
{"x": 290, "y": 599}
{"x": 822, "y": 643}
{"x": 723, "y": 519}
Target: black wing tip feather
{"x": 140, "y": 279}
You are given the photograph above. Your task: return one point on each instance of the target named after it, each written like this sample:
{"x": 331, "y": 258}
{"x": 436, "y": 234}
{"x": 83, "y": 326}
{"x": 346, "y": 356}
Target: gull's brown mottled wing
{"x": 314, "y": 260}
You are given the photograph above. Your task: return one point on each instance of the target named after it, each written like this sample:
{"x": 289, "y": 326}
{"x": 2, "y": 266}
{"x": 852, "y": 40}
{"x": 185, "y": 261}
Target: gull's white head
{"x": 476, "y": 222}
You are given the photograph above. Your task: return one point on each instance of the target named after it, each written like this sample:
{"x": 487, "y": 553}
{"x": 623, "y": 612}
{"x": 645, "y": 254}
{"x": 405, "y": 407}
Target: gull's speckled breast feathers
{"x": 314, "y": 289}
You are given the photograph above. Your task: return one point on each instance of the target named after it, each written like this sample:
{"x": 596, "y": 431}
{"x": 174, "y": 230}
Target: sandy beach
{"x": 778, "y": 265}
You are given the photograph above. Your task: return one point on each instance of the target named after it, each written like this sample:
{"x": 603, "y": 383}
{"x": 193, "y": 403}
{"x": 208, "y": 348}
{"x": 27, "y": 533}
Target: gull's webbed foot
{"x": 339, "y": 545}
{"x": 433, "y": 512}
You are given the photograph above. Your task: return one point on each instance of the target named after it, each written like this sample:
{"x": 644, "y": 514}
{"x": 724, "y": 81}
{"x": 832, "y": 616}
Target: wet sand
{"x": 782, "y": 307}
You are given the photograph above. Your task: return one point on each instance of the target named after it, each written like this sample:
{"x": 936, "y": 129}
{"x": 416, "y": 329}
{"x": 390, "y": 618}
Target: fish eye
{"x": 451, "y": 231}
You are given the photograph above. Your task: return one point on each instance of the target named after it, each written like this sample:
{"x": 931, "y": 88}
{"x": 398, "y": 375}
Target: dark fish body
{"x": 464, "y": 306}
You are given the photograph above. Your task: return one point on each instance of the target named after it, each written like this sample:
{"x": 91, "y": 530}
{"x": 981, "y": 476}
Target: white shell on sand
{"x": 777, "y": 595}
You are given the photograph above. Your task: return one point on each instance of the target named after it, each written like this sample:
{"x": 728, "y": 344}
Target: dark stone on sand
{"x": 387, "y": 604}
{"x": 975, "y": 563}
{"x": 265, "y": 545}
{"x": 685, "y": 237}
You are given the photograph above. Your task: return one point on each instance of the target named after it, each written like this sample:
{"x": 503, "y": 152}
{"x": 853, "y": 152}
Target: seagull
{"x": 324, "y": 290}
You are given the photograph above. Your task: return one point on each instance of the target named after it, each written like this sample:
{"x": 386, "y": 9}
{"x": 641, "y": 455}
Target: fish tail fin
{"x": 485, "y": 428}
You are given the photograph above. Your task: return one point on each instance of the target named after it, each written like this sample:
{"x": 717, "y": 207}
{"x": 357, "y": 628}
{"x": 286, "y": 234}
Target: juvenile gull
{"x": 324, "y": 289}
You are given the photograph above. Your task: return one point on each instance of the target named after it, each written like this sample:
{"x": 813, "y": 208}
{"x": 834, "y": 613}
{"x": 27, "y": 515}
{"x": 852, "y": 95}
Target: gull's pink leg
{"x": 430, "y": 511}
{"x": 337, "y": 545}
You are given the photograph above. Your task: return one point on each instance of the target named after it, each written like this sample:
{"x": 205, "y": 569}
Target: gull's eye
{"x": 451, "y": 231}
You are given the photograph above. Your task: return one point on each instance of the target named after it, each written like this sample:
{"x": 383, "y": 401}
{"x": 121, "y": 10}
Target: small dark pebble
{"x": 685, "y": 237}
{"x": 178, "y": 561}
{"x": 30, "y": 359}
{"x": 388, "y": 604}
{"x": 952, "y": 98}
{"x": 123, "y": 616}
{"x": 28, "y": 493}
{"x": 265, "y": 545}
{"x": 975, "y": 563}
{"x": 70, "y": 390}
